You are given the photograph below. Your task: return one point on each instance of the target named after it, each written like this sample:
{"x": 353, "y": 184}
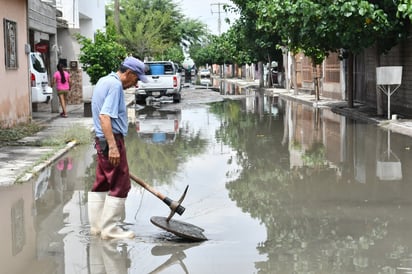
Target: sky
{"x": 207, "y": 11}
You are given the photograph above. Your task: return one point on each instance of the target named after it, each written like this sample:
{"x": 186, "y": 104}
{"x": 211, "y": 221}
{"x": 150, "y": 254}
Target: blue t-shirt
{"x": 108, "y": 98}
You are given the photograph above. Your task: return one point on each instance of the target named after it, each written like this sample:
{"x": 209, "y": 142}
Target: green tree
{"x": 192, "y": 31}
{"x": 205, "y": 51}
{"x": 174, "y": 54}
{"x": 101, "y": 56}
{"x": 154, "y": 28}
{"x": 252, "y": 42}
{"x": 317, "y": 28}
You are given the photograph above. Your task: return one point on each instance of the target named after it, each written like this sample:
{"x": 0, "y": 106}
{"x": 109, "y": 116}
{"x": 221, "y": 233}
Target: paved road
{"x": 19, "y": 163}
{"x": 24, "y": 160}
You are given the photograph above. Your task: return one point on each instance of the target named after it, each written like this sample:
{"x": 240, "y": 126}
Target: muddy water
{"x": 278, "y": 188}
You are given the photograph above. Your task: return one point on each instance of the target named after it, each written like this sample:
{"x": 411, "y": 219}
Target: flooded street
{"x": 277, "y": 186}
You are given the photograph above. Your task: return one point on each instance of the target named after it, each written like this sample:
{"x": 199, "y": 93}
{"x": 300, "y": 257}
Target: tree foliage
{"x": 405, "y": 9}
{"x": 318, "y": 27}
{"x": 251, "y": 42}
{"x": 315, "y": 27}
{"x": 155, "y": 29}
{"x": 101, "y": 56}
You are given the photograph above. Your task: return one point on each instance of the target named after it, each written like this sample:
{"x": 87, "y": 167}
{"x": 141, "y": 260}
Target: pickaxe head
{"x": 176, "y": 206}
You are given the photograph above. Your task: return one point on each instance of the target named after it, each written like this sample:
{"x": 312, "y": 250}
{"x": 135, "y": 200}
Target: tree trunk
{"x": 294, "y": 75}
{"x": 349, "y": 86}
{"x": 315, "y": 81}
{"x": 269, "y": 81}
{"x": 379, "y": 94}
{"x": 260, "y": 68}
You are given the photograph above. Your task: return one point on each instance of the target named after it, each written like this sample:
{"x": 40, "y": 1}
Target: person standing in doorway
{"x": 61, "y": 79}
{"x": 106, "y": 200}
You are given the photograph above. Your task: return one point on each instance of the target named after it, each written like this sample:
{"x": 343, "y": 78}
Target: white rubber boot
{"x": 112, "y": 215}
{"x": 95, "y": 209}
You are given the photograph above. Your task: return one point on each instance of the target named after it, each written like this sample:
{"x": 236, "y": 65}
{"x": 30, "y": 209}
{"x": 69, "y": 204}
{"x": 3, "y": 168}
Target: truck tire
{"x": 141, "y": 100}
{"x": 176, "y": 98}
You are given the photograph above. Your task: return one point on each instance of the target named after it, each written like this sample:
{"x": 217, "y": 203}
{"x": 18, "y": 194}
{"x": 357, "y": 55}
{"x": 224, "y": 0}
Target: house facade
{"x": 42, "y": 37}
{"x": 365, "y": 79}
{"x": 46, "y": 26}
{"x": 333, "y": 78}
{"x": 15, "y": 104}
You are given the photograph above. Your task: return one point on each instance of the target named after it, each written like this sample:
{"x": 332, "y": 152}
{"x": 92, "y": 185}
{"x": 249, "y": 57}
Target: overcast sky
{"x": 207, "y": 11}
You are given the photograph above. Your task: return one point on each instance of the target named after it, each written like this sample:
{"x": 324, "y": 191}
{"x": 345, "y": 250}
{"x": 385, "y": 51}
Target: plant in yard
{"x": 101, "y": 56}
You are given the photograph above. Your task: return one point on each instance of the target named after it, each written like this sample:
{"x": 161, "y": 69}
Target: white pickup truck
{"x": 165, "y": 83}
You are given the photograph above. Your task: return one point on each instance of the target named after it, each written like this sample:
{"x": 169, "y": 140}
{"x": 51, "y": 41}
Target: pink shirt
{"x": 59, "y": 84}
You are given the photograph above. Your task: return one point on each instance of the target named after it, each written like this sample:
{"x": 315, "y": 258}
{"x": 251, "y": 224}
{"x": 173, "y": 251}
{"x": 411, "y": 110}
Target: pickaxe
{"x": 175, "y": 206}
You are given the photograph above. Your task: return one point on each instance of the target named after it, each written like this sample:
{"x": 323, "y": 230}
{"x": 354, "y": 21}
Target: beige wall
{"x": 14, "y": 90}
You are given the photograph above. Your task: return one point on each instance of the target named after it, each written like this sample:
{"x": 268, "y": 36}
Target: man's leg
{"x": 114, "y": 207}
{"x": 94, "y": 209}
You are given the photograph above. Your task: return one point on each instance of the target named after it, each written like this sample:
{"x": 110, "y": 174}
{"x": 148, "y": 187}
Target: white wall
{"x": 84, "y": 17}
{"x": 93, "y": 10}
{"x": 92, "y": 18}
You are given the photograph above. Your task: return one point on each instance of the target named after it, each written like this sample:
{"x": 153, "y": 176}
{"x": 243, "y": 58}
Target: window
{"x": 37, "y": 62}
{"x": 10, "y": 44}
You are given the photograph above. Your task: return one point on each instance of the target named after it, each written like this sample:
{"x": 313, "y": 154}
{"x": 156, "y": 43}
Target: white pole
{"x": 389, "y": 103}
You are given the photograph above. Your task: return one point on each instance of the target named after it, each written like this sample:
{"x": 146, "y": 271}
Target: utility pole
{"x": 116, "y": 15}
{"x": 219, "y": 26}
{"x": 218, "y": 13}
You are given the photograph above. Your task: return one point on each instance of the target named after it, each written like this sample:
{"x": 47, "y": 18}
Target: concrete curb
{"x": 36, "y": 169}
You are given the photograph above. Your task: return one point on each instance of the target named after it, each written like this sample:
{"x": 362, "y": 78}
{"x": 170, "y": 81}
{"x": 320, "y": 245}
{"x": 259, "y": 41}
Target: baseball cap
{"x": 137, "y": 67}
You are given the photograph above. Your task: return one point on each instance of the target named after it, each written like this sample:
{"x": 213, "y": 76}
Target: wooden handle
{"x": 147, "y": 186}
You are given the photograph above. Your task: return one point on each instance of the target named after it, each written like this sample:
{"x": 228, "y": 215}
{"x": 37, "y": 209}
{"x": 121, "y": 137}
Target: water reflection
{"x": 285, "y": 187}
{"x": 157, "y": 126}
{"x": 307, "y": 198}
{"x": 221, "y": 86}
{"x": 227, "y": 88}
{"x": 176, "y": 256}
{"x": 107, "y": 257}
{"x": 158, "y": 164}
{"x": 388, "y": 164}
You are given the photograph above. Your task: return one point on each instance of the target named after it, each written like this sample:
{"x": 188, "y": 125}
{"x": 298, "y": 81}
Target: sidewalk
{"x": 20, "y": 163}
{"x": 359, "y": 112}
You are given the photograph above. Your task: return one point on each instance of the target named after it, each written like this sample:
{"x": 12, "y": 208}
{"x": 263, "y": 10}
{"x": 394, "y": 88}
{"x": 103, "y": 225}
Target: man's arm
{"x": 105, "y": 122}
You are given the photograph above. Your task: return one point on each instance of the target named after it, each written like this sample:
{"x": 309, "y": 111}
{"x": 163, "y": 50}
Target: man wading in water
{"x": 106, "y": 200}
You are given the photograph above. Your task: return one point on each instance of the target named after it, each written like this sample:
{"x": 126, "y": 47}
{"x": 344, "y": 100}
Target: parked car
{"x": 165, "y": 82}
{"x": 41, "y": 92}
{"x": 158, "y": 126}
{"x": 204, "y": 73}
